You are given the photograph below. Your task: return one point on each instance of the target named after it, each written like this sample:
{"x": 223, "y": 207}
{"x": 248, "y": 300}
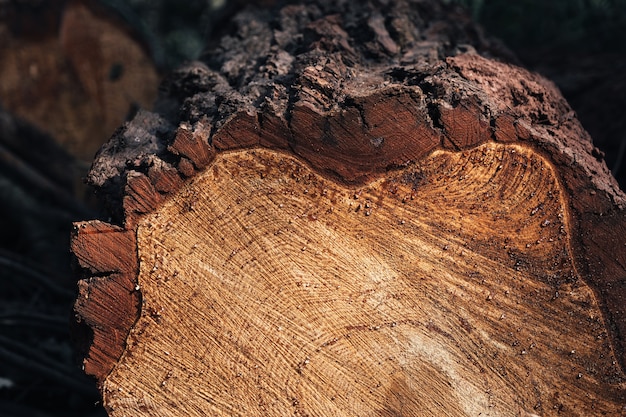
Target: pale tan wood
{"x": 445, "y": 288}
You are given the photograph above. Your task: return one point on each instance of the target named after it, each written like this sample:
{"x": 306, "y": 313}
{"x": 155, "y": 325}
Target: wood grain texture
{"x": 271, "y": 290}
{"x": 358, "y": 228}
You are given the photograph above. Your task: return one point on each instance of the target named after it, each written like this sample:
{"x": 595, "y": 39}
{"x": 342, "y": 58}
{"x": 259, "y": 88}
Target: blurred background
{"x": 72, "y": 71}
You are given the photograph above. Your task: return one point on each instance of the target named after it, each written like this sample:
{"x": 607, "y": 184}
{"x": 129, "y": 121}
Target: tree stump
{"x": 355, "y": 209}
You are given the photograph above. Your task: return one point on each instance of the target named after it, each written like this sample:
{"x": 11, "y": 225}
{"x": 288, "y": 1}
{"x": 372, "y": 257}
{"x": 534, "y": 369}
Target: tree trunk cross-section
{"x": 355, "y": 209}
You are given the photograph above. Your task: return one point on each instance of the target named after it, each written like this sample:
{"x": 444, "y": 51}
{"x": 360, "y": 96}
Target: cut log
{"x": 350, "y": 209}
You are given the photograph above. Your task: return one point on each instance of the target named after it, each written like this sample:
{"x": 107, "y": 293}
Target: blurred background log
{"x": 70, "y": 74}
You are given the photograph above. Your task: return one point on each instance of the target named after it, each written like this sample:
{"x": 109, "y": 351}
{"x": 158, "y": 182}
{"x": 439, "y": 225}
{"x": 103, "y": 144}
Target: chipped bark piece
{"x": 166, "y": 178}
{"x": 193, "y": 144}
{"x": 240, "y": 131}
{"x": 185, "y": 167}
{"x": 504, "y": 128}
{"x": 462, "y": 127}
{"x": 107, "y": 302}
{"x": 141, "y": 196}
{"x": 377, "y": 225}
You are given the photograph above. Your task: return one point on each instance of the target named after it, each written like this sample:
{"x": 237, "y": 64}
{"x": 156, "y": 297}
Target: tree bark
{"x": 355, "y": 209}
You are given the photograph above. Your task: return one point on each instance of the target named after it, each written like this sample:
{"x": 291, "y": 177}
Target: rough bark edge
{"x": 312, "y": 104}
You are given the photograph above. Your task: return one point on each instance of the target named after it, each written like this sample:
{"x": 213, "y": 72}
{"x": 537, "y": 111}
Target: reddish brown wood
{"x": 464, "y": 127}
{"x": 193, "y": 145}
{"x": 107, "y": 302}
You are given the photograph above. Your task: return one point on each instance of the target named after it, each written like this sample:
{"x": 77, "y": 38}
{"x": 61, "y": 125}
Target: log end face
{"x": 329, "y": 275}
{"x": 604, "y": 249}
{"x": 363, "y": 136}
